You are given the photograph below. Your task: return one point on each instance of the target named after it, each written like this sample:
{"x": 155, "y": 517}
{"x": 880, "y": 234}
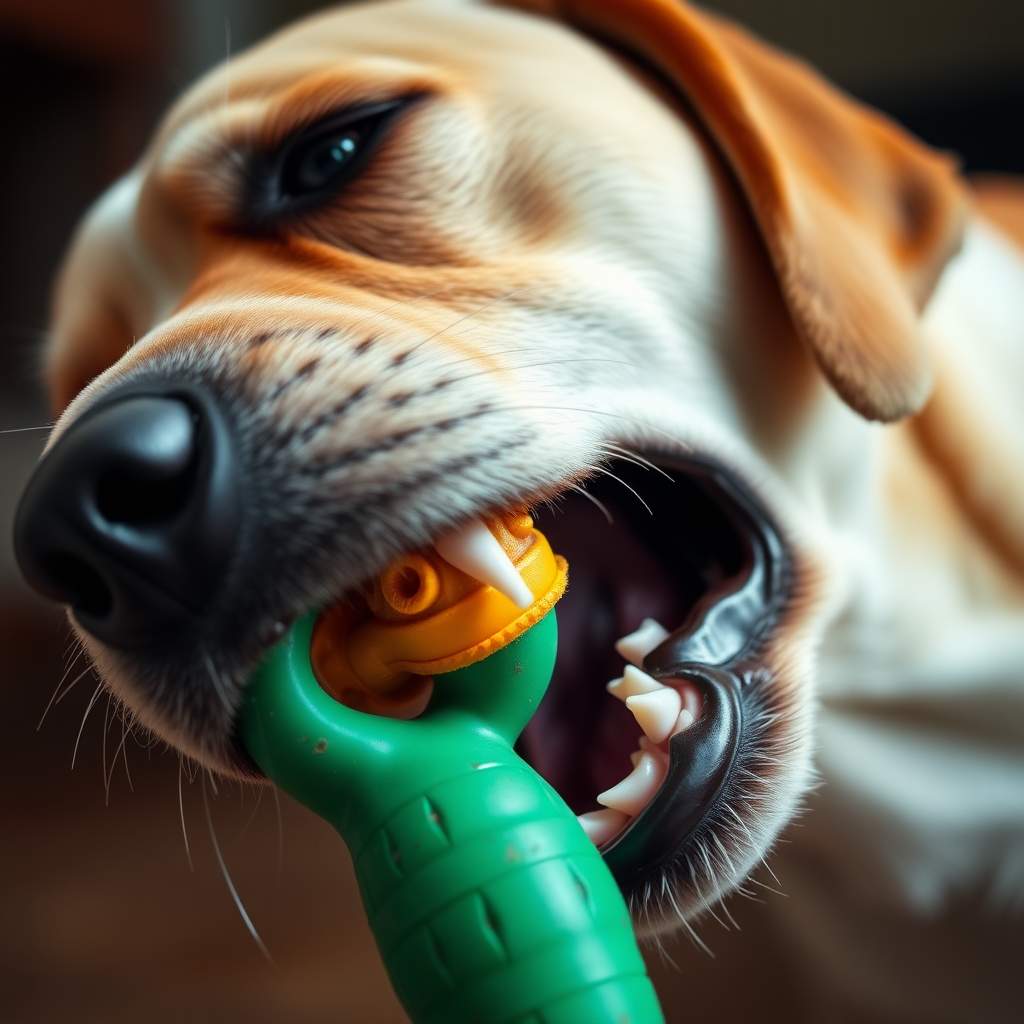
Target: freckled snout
{"x": 133, "y": 516}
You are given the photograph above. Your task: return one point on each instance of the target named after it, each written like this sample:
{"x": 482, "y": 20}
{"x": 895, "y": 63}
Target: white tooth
{"x": 633, "y": 682}
{"x": 634, "y": 792}
{"x": 600, "y": 826}
{"x": 639, "y": 644}
{"x": 683, "y": 722}
{"x": 476, "y": 551}
{"x": 634, "y": 758}
{"x": 656, "y": 712}
{"x": 647, "y": 747}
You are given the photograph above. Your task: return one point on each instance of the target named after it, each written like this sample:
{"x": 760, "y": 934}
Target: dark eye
{"x": 324, "y": 161}
{"x": 313, "y": 166}
{"x": 324, "y": 158}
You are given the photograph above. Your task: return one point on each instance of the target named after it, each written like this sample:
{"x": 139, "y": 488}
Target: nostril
{"x": 122, "y": 498}
{"x": 132, "y": 517}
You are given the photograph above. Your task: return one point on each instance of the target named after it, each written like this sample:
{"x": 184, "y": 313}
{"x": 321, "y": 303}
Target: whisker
{"x": 455, "y": 323}
{"x": 569, "y": 360}
{"x": 768, "y": 868}
{"x": 767, "y": 888}
{"x": 106, "y": 726}
{"x": 125, "y": 733}
{"x": 608, "y": 472}
{"x": 218, "y": 684}
{"x": 245, "y": 828}
{"x": 227, "y": 878}
{"x": 23, "y": 430}
{"x": 631, "y": 455}
{"x": 686, "y": 924}
{"x": 725, "y": 910}
{"x": 54, "y": 699}
{"x": 181, "y": 812}
{"x": 81, "y": 728}
{"x": 600, "y": 504}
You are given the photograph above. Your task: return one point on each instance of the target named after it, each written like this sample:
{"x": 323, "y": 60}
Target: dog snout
{"x": 132, "y": 517}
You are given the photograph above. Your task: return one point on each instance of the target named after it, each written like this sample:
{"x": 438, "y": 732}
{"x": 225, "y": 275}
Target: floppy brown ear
{"x": 858, "y": 217}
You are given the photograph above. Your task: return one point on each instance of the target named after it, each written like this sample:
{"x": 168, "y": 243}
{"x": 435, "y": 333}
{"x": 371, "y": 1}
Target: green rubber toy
{"x": 488, "y": 902}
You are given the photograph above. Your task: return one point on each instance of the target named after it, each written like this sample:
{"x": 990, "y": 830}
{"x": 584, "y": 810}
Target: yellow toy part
{"x": 423, "y": 615}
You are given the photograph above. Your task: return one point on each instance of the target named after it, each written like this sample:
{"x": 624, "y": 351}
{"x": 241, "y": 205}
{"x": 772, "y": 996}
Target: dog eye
{"x": 324, "y": 158}
{"x": 324, "y": 161}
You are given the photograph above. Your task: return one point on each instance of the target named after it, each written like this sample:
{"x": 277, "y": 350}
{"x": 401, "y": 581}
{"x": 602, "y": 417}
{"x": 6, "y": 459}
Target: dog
{"x": 748, "y": 350}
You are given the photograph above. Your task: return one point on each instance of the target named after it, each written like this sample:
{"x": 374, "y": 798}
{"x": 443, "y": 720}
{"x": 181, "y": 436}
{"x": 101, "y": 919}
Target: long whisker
{"x": 81, "y": 728}
{"x": 181, "y": 811}
{"x": 609, "y": 473}
{"x": 632, "y": 456}
{"x": 227, "y": 877}
{"x": 259, "y": 800}
{"x": 121, "y": 749}
{"x": 23, "y": 430}
{"x": 106, "y": 726}
{"x": 55, "y": 699}
{"x": 218, "y": 683}
{"x": 455, "y": 323}
{"x": 586, "y": 494}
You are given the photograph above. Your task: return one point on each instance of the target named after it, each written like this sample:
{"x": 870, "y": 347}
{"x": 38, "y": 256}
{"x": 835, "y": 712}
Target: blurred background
{"x": 107, "y": 912}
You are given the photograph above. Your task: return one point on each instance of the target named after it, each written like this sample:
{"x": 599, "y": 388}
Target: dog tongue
{"x": 581, "y": 738}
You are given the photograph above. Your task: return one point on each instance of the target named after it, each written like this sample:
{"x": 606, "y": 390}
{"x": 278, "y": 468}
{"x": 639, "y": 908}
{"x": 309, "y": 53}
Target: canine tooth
{"x": 635, "y": 647}
{"x": 683, "y": 722}
{"x": 632, "y": 683}
{"x": 600, "y": 826}
{"x": 634, "y": 758}
{"x": 476, "y": 551}
{"x": 634, "y": 792}
{"x": 656, "y": 712}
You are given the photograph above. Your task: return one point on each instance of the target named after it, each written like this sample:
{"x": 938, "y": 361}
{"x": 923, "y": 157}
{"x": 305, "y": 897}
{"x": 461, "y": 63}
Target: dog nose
{"x": 132, "y": 517}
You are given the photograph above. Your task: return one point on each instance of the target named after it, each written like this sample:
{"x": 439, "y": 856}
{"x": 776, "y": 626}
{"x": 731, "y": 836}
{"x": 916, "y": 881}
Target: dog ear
{"x": 859, "y": 218}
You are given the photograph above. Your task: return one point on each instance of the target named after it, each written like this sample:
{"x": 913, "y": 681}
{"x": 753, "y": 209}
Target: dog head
{"x": 411, "y": 263}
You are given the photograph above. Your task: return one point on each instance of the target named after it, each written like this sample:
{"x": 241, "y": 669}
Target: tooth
{"x": 634, "y": 792}
{"x": 656, "y": 712}
{"x": 641, "y": 642}
{"x": 632, "y": 683}
{"x": 634, "y": 758}
{"x": 683, "y": 722}
{"x": 476, "y": 551}
{"x": 600, "y": 826}
{"x": 647, "y": 747}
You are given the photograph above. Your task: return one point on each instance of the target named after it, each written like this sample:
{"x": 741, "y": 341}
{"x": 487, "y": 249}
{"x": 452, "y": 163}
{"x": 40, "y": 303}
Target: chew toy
{"x": 394, "y": 718}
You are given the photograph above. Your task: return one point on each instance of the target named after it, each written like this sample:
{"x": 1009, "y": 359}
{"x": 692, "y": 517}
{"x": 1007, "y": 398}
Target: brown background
{"x": 101, "y": 916}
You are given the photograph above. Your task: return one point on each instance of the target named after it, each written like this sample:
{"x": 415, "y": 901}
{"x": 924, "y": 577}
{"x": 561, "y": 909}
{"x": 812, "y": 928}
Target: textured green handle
{"x": 488, "y": 902}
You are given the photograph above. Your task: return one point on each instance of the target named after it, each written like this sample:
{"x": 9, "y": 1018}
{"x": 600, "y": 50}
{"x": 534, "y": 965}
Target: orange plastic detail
{"x": 422, "y": 615}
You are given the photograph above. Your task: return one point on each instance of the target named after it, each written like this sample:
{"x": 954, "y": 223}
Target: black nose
{"x": 132, "y": 517}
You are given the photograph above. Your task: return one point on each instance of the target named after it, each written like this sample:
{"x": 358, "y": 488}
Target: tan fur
{"x": 553, "y": 252}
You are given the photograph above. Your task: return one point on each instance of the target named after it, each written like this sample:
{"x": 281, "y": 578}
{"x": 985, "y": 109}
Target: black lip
{"x": 716, "y": 649}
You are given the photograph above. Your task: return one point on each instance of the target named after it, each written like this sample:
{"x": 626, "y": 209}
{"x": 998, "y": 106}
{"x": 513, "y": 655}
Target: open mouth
{"x": 675, "y": 585}
{"x": 677, "y": 577}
